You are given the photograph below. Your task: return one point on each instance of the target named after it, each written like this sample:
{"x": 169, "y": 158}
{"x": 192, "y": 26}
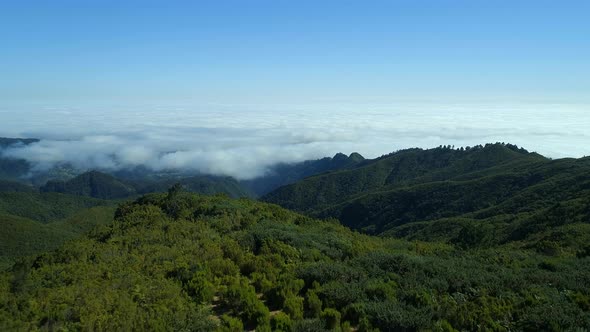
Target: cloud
{"x": 245, "y": 144}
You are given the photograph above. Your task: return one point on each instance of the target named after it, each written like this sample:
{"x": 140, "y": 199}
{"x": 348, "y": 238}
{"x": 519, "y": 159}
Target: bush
{"x": 294, "y": 306}
{"x": 332, "y": 318}
{"x": 313, "y": 304}
{"x": 200, "y": 288}
{"x": 230, "y": 324}
{"x": 281, "y": 322}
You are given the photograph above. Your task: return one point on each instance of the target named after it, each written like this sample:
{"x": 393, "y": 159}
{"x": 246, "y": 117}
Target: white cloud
{"x": 244, "y": 144}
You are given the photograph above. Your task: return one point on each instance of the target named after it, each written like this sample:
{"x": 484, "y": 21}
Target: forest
{"x": 489, "y": 238}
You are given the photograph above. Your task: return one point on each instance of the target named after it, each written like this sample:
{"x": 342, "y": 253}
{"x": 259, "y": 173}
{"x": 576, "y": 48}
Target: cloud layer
{"x": 245, "y": 143}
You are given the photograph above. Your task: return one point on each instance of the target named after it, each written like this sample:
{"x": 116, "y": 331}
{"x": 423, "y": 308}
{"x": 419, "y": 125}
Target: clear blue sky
{"x": 278, "y": 51}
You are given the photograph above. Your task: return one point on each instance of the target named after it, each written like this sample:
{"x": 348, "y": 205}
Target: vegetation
{"x": 485, "y": 238}
{"x": 101, "y": 185}
{"x": 497, "y": 192}
{"x": 11, "y": 168}
{"x": 14, "y": 186}
{"x": 202, "y": 184}
{"x": 180, "y": 261}
{"x": 283, "y": 174}
{"x": 45, "y": 207}
{"x": 24, "y": 237}
{"x": 404, "y": 168}
{"x": 34, "y": 222}
{"x": 93, "y": 184}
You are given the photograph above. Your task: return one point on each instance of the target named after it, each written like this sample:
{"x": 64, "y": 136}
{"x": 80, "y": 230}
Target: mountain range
{"x": 490, "y": 237}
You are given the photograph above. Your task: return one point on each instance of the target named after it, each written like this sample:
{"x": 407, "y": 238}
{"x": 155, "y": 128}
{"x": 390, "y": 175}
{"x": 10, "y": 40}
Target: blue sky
{"x": 77, "y": 53}
{"x": 233, "y": 87}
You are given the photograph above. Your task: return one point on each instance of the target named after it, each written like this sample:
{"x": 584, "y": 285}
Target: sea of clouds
{"x": 244, "y": 142}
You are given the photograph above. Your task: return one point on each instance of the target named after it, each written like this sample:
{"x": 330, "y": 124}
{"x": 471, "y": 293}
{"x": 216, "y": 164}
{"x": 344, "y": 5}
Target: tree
{"x": 281, "y": 322}
{"x": 332, "y": 318}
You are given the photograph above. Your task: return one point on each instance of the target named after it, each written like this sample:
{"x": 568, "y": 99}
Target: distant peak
{"x": 340, "y": 156}
{"x": 356, "y": 156}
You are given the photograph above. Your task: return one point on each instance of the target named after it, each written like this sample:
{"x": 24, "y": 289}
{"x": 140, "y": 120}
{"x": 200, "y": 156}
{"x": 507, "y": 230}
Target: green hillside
{"x": 414, "y": 192}
{"x": 23, "y": 237}
{"x": 283, "y": 174}
{"x": 46, "y": 207}
{"x": 14, "y": 186}
{"x": 93, "y": 184}
{"x": 400, "y": 169}
{"x": 34, "y": 222}
{"x": 179, "y": 261}
{"x": 105, "y": 186}
{"x": 202, "y": 184}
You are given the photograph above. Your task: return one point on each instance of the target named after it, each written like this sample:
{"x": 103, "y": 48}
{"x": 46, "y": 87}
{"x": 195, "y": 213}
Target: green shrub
{"x": 332, "y": 318}
{"x": 230, "y": 324}
{"x": 313, "y": 304}
{"x": 293, "y": 306}
{"x": 281, "y": 322}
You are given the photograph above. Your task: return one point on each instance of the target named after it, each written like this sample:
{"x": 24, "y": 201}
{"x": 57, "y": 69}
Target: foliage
{"x": 105, "y": 186}
{"x": 229, "y": 264}
{"x": 284, "y": 174}
{"x": 475, "y": 197}
{"x": 92, "y": 184}
{"x": 46, "y": 207}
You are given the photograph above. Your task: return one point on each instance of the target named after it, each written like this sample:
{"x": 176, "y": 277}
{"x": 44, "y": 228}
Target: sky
{"x": 202, "y": 83}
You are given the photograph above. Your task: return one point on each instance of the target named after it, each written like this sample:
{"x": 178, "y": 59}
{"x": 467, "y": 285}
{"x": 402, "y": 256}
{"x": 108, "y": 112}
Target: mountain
{"x": 46, "y": 207}
{"x": 64, "y": 178}
{"x": 283, "y": 174}
{"x": 7, "y": 141}
{"x": 202, "y": 184}
{"x": 35, "y": 222}
{"x": 93, "y": 184}
{"x": 179, "y": 261}
{"x": 11, "y": 168}
{"x": 14, "y": 186}
{"x": 105, "y": 186}
{"x": 399, "y": 169}
{"x": 436, "y": 194}
{"x": 22, "y": 236}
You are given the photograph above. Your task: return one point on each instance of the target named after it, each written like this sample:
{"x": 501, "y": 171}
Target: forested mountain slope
{"x": 403, "y": 168}
{"x": 105, "y": 186}
{"x": 126, "y": 182}
{"x": 92, "y": 184}
{"x": 185, "y": 262}
{"x": 33, "y": 222}
{"x": 11, "y": 168}
{"x": 435, "y": 194}
{"x": 201, "y": 184}
{"x": 15, "y": 186}
{"x": 283, "y": 174}
{"x": 23, "y": 236}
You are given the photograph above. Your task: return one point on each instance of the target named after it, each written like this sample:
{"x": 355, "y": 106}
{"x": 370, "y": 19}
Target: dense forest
{"x": 483, "y": 238}
{"x": 34, "y": 222}
{"x": 435, "y": 194}
{"x": 284, "y": 174}
{"x": 105, "y": 186}
{"x": 180, "y": 261}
